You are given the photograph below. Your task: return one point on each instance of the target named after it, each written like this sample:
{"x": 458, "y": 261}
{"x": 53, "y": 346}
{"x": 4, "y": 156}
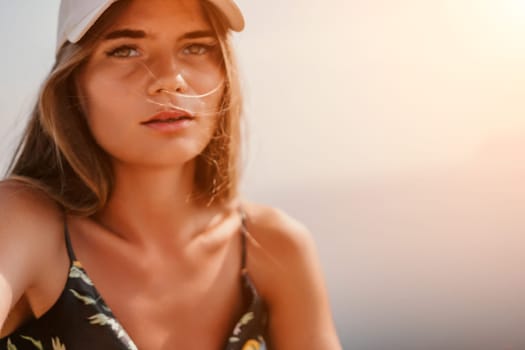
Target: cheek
{"x": 102, "y": 108}
{"x": 104, "y": 98}
{"x": 204, "y": 82}
{"x": 102, "y": 86}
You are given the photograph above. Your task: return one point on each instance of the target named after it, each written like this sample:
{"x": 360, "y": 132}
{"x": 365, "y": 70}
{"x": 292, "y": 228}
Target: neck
{"x": 152, "y": 206}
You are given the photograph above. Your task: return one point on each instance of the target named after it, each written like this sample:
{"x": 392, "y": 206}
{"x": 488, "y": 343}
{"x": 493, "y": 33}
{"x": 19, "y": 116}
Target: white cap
{"x": 77, "y": 16}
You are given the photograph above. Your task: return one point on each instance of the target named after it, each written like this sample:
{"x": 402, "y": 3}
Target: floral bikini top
{"x": 81, "y": 320}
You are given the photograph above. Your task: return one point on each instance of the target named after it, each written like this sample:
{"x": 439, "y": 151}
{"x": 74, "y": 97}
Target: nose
{"x": 167, "y": 77}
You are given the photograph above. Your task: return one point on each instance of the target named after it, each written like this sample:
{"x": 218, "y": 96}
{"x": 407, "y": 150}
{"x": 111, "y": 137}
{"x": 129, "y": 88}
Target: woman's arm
{"x": 28, "y": 241}
{"x": 283, "y": 262}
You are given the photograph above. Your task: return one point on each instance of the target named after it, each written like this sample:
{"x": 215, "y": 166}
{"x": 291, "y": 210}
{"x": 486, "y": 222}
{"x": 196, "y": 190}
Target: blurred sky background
{"x": 395, "y": 130}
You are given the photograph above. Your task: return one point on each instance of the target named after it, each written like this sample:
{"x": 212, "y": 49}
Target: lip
{"x": 169, "y": 121}
{"x": 164, "y": 116}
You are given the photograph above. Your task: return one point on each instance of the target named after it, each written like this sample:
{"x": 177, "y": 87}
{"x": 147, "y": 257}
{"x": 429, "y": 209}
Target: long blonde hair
{"x": 59, "y": 155}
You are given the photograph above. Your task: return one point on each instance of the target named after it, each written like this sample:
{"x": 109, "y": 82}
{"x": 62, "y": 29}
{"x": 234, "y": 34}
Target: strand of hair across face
{"x": 171, "y": 105}
{"x": 211, "y": 92}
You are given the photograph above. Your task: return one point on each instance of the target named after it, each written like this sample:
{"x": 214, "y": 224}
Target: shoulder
{"x": 31, "y": 238}
{"x": 23, "y": 206}
{"x": 31, "y": 252}
{"x": 281, "y": 250}
{"x": 277, "y": 232}
{"x": 283, "y": 263}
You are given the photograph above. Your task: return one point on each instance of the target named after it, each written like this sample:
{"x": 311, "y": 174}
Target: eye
{"x": 124, "y": 51}
{"x": 198, "y": 49}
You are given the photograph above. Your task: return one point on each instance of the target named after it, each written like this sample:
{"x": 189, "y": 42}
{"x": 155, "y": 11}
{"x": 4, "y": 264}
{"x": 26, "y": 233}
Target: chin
{"x": 164, "y": 158}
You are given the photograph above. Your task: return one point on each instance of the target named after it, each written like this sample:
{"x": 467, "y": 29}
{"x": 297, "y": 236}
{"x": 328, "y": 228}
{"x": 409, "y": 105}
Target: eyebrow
{"x": 198, "y": 34}
{"x": 140, "y": 34}
{"x": 125, "y": 33}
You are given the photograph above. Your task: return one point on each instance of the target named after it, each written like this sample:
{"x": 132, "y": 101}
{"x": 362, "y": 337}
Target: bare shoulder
{"x": 281, "y": 249}
{"x": 30, "y": 241}
{"x": 276, "y": 231}
{"x": 31, "y": 224}
{"x": 29, "y": 220}
{"x": 284, "y": 265}
{"x": 23, "y": 205}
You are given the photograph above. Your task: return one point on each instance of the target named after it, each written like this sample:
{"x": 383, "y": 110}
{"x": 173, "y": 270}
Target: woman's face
{"x": 152, "y": 87}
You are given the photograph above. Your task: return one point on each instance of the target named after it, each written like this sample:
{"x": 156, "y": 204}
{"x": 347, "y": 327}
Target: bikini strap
{"x": 244, "y": 232}
{"x": 253, "y": 294}
{"x": 70, "y": 252}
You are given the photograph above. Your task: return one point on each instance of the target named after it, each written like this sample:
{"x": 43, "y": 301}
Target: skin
{"x": 150, "y": 240}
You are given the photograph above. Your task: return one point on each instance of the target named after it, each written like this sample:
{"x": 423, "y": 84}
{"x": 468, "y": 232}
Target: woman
{"x": 120, "y": 222}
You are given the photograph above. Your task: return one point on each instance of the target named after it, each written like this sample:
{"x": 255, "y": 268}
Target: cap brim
{"x": 232, "y": 12}
{"x": 228, "y": 7}
{"x": 87, "y": 22}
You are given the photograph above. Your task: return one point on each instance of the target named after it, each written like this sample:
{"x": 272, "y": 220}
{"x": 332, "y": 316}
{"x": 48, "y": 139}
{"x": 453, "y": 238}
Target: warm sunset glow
{"x": 516, "y": 8}
{"x": 395, "y": 130}
{"x": 507, "y": 16}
